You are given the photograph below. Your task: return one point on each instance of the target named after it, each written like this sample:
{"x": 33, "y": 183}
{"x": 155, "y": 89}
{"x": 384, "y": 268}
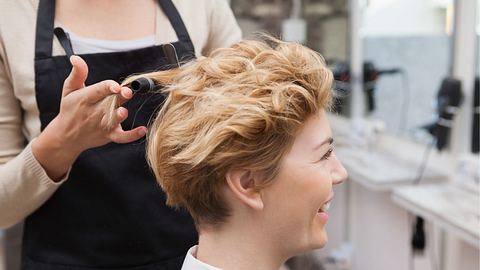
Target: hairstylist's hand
{"x": 81, "y": 123}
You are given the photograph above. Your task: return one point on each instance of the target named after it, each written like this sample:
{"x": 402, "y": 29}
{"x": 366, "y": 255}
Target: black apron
{"x": 110, "y": 213}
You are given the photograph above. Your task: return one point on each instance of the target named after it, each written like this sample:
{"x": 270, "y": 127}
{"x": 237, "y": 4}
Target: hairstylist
{"x": 90, "y": 200}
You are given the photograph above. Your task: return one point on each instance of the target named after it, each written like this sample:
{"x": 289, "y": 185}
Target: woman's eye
{"x": 327, "y": 155}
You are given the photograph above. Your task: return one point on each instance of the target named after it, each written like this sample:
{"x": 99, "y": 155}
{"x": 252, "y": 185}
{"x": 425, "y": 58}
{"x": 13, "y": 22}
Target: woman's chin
{"x": 320, "y": 239}
{"x": 317, "y": 241}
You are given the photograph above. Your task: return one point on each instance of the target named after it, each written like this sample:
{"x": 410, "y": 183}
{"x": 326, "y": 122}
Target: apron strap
{"x": 44, "y": 33}
{"x": 177, "y": 23}
{"x": 64, "y": 39}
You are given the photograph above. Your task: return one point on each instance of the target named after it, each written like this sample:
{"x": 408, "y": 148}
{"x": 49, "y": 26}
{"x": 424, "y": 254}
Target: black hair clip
{"x": 142, "y": 85}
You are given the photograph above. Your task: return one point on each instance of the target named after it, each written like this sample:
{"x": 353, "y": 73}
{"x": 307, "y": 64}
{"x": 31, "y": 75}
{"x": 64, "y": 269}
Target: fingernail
{"x": 122, "y": 111}
{"x": 127, "y": 92}
{"x": 114, "y": 89}
{"x": 71, "y": 59}
{"x": 142, "y": 132}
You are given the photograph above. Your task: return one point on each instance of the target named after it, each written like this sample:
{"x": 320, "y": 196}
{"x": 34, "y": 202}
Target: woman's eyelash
{"x": 328, "y": 154}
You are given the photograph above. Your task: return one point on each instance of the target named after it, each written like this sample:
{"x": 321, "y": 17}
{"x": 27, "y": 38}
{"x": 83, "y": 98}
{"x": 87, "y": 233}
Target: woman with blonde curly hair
{"x": 243, "y": 143}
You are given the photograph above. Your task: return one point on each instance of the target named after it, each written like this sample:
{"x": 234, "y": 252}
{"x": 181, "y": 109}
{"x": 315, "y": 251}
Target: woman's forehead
{"x": 315, "y": 132}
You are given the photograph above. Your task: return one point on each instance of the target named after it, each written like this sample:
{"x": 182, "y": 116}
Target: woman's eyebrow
{"x": 329, "y": 140}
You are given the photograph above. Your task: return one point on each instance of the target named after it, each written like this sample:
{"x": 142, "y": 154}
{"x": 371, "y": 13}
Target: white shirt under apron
{"x": 83, "y": 45}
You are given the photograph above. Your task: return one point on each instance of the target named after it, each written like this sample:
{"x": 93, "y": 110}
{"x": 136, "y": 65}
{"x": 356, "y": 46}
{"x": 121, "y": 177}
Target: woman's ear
{"x": 242, "y": 184}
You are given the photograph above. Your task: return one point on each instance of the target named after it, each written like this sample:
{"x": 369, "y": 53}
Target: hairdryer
{"x": 449, "y": 99}
{"x": 341, "y": 74}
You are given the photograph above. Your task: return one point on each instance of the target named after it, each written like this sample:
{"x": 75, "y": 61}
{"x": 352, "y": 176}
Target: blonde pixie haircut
{"x": 238, "y": 108}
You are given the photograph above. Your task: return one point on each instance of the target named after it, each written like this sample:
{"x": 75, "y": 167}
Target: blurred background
{"x": 405, "y": 123}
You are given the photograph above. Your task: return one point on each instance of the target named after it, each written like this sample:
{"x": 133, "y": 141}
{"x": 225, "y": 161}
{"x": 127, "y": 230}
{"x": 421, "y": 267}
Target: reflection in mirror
{"x": 406, "y": 50}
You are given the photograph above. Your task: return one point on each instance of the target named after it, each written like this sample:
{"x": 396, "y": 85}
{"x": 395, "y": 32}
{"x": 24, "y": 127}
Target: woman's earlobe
{"x": 243, "y": 185}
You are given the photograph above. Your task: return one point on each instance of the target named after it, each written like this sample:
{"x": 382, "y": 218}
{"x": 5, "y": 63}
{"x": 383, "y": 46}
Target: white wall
{"x": 405, "y": 17}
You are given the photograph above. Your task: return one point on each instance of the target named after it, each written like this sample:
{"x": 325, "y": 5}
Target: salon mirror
{"x": 407, "y": 52}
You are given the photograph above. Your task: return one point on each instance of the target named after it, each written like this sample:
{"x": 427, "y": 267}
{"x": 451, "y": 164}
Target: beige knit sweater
{"x": 24, "y": 185}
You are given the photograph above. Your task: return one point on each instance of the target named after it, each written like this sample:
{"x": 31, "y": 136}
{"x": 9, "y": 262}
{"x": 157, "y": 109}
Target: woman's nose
{"x": 339, "y": 173}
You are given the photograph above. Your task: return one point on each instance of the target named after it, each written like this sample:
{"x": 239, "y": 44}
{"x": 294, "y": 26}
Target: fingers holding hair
{"x": 124, "y": 95}
{"x": 101, "y": 90}
{"x": 111, "y": 105}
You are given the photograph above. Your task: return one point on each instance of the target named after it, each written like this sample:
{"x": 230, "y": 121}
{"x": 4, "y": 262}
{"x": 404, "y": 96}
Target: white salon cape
{"x": 192, "y": 263}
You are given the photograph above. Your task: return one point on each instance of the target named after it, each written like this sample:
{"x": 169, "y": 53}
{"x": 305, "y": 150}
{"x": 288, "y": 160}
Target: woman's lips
{"x": 322, "y": 211}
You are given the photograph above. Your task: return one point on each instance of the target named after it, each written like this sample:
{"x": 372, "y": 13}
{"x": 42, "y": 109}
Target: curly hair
{"x": 238, "y": 108}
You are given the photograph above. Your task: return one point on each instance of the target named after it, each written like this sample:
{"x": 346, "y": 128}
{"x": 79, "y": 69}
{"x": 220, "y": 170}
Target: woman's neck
{"x": 108, "y": 19}
{"x": 238, "y": 249}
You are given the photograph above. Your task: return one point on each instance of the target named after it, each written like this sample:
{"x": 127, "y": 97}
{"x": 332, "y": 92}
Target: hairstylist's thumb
{"x": 77, "y": 77}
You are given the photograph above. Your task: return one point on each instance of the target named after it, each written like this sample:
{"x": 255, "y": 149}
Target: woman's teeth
{"x": 325, "y": 207}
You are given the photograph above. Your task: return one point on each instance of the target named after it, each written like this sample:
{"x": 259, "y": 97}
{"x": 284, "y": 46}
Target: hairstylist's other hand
{"x": 81, "y": 122}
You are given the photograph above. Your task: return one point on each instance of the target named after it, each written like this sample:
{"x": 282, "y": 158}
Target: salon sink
{"x": 381, "y": 170}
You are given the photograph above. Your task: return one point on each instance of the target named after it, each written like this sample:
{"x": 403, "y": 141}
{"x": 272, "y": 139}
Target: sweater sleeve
{"x": 24, "y": 184}
{"x": 223, "y": 27}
